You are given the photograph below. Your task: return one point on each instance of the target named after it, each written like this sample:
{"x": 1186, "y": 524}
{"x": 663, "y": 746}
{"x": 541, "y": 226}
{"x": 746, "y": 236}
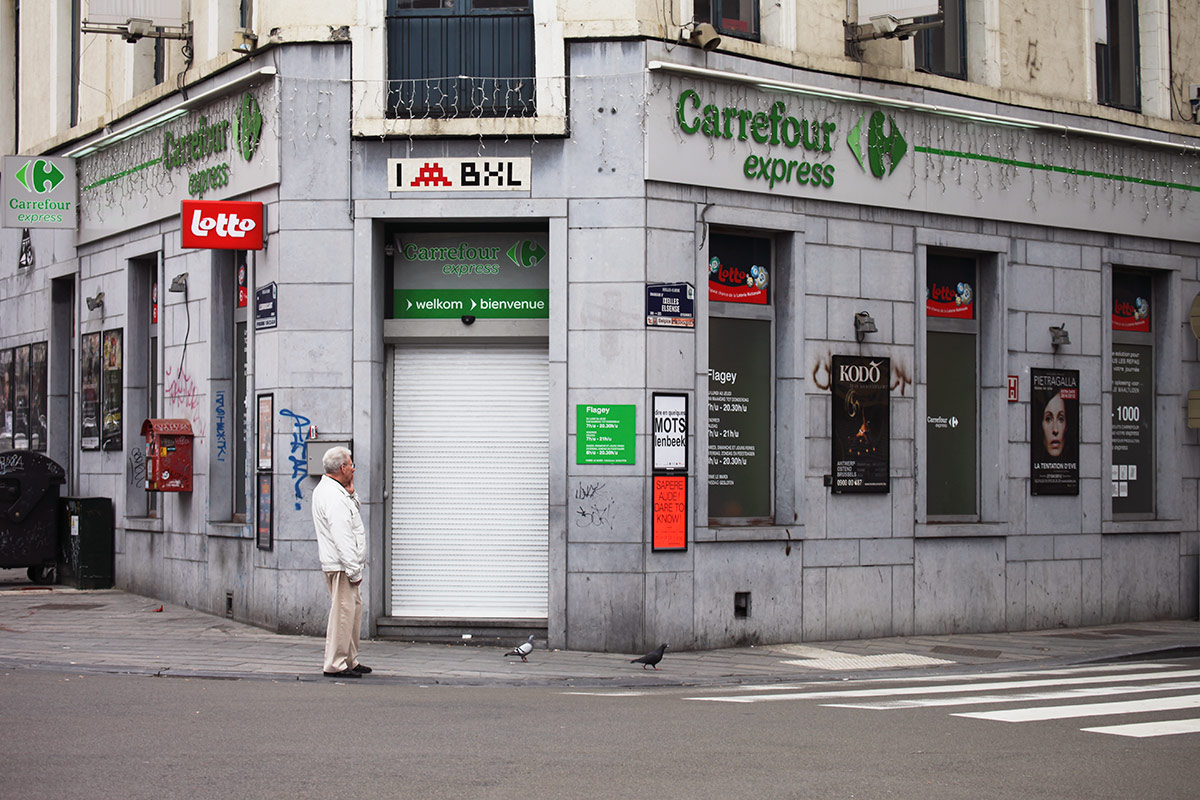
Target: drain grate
{"x": 67, "y": 606}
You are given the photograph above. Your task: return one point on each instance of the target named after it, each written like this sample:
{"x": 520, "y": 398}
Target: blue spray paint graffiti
{"x": 222, "y": 443}
{"x": 299, "y": 454}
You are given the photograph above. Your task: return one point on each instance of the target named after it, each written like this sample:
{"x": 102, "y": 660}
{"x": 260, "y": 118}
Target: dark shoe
{"x": 361, "y": 669}
{"x": 346, "y": 673}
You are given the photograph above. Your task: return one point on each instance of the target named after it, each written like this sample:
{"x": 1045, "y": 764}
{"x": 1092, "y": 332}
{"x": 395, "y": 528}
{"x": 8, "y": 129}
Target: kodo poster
{"x": 1054, "y": 431}
{"x": 861, "y": 458}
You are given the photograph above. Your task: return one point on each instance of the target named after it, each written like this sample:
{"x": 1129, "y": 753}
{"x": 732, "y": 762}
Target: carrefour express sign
{"x": 39, "y": 192}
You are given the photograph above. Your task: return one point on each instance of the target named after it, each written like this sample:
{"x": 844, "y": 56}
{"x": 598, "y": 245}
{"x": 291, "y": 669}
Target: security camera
{"x": 468, "y": 319}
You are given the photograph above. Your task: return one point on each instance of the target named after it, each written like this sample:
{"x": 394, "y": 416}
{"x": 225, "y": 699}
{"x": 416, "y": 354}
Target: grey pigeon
{"x": 652, "y": 658}
{"x": 522, "y": 650}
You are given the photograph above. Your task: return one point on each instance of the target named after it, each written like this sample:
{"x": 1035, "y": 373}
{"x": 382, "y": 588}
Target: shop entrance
{"x": 470, "y": 482}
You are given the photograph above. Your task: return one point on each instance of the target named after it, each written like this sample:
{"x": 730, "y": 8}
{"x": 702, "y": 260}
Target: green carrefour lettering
{"x": 249, "y": 121}
{"x": 685, "y": 96}
{"x": 774, "y": 126}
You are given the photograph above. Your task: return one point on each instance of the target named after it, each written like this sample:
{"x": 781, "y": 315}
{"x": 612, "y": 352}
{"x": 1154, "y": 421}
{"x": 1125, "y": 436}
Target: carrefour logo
{"x": 40, "y": 176}
{"x": 884, "y": 151}
{"x": 248, "y": 125}
{"x": 526, "y": 253}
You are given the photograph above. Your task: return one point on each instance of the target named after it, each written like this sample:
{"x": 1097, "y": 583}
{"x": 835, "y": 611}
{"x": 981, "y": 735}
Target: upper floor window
{"x": 460, "y": 58}
{"x": 943, "y": 50}
{"x": 730, "y": 17}
{"x": 1117, "y": 58}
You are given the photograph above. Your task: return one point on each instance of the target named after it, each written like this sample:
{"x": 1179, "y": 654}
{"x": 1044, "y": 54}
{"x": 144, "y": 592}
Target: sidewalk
{"x": 110, "y": 631}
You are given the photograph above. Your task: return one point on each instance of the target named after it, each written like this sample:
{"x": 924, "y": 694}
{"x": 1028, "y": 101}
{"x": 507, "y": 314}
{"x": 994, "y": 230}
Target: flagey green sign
{"x": 604, "y": 434}
{"x": 38, "y": 192}
{"x": 460, "y": 274}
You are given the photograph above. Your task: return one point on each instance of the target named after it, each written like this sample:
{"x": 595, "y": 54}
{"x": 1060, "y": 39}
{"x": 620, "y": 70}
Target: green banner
{"x": 479, "y": 303}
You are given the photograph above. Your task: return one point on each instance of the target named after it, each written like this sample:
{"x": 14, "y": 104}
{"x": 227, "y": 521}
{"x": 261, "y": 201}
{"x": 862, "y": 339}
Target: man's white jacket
{"x": 341, "y": 537}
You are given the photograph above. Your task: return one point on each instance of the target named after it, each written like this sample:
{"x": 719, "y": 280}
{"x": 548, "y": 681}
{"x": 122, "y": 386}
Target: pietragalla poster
{"x": 861, "y": 416}
{"x": 1054, "y": 431}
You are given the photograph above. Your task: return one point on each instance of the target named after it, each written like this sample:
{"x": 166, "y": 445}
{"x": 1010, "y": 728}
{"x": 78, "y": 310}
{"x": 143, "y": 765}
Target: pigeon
{"x": 652, "y": 658}
{"x": 523, "y": 649}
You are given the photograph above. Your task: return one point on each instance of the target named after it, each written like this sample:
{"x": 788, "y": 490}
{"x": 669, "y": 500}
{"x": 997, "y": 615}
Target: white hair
{"x": 334, "y": 459}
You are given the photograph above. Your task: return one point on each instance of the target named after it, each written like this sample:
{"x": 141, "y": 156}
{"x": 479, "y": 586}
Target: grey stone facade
{"x": 830, "y": 567}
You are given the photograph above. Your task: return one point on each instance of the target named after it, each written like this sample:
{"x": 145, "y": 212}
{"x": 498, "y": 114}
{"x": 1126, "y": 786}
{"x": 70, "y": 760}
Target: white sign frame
{"x": 670, "y": 446}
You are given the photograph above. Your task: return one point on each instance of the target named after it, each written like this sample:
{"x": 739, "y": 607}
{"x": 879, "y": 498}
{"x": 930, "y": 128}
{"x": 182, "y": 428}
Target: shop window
{"x": 460, "y": 58}
{"x": 23, "y": 397}
{"x": 142, "y": 370}
{"x": 741, "y": 379}
{"x": 1133, "y": 425}
{"x": 730, "y": 17}
{"x": 229, "y": 484}
{"x": 952, "y": 391}
{"x": 1117, "y": 59}
{"x": 943, "y": 50}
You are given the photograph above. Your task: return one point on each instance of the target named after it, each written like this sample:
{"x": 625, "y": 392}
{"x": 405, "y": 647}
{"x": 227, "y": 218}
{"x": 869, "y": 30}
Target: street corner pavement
{"x": 58, "y": 628}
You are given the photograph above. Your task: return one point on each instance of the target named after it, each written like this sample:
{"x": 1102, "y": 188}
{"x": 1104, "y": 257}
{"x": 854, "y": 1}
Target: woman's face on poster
{"x": 1054, "y": 425}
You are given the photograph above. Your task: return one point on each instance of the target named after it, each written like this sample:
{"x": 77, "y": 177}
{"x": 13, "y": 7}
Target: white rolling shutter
{"x": 470, "y": 458}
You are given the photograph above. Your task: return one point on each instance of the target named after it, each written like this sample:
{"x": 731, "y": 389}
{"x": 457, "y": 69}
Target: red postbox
{"x": 168, "y": 455}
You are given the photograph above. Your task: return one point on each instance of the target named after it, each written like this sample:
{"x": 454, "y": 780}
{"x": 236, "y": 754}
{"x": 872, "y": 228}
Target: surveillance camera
{"x": 467, "y": 319}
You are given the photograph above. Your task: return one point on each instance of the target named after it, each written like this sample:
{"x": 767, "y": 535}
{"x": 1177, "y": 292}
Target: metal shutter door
{"x": 470, "y": 461}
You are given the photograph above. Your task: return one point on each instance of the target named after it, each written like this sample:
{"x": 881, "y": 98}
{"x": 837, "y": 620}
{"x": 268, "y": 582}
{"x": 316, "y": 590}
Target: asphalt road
{"x": 67, "y": 736}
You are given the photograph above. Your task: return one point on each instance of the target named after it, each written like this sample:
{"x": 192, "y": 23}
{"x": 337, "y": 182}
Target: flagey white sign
{"x": 745, "y": 138}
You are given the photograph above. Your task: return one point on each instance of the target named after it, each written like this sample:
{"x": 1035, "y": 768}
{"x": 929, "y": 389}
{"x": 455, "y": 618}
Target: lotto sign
{"x": 223, "y": 225}
{"x": 459, "y": 174}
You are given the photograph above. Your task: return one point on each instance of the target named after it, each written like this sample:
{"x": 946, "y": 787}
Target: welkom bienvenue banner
{"x": 747, "y": 138}
{"x": 217, "y": 151}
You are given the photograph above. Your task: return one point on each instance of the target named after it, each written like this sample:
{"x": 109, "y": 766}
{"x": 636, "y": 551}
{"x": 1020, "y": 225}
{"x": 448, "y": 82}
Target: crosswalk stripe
{"x": 1043, "y": 713}
{"x": 1065, "y": 694}
{"x": 1144, "y": 729}
{"x": 990, "y": 676}
{"x": 949, "y": 688}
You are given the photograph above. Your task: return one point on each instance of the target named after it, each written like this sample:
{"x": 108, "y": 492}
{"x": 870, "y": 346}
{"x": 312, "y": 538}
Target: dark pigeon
{"x": 652, "y": 658}
{"x": 523, "y": 649}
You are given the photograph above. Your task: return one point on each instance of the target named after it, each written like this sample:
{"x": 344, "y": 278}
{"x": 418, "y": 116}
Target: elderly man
{"x": 342, "y": 546}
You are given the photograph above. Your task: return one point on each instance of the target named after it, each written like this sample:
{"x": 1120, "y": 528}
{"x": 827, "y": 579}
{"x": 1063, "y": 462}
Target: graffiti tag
{"x": 299, "y": 451}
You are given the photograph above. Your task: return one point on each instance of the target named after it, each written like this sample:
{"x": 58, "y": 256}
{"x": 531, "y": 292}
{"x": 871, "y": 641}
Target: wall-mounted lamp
{"x": 96, "y": 302}
{"x": 1059, "y": 335}
{"x": 864, "y": 323}
{"x": 701, "y": 34}
{"x": 244, "y": 41}
{"x": 179, "y": 283}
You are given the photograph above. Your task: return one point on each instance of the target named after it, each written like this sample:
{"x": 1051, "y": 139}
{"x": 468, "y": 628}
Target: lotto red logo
{"x": 223, "y": 225}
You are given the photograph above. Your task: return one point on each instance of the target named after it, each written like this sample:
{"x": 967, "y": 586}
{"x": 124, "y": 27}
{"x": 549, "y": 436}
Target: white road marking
{"x": 1088, "y": 710}
{"x": 1065, "y": 694}
{"x": 1143, "y": 729}
{"x": 949, "y": 688}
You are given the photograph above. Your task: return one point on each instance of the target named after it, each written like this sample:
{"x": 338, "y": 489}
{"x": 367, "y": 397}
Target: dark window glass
{"x": 730, "y": 17}
{"x": 1118, "y": 79}
{"x": 943, "y": 51}
{"x": 458, "y": 58}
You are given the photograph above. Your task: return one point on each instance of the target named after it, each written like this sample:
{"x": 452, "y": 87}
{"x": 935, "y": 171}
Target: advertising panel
{"x": 739, "y": 269}
{"x": 739, "y": 418}
{"x": 89, "y": 392}
{"x": 460, "y": 174}
{"x": 1132, "y": 429}
{"x": 670, "y": 431}
{"x": 949, "y": 289}
{"x": 669, "y": 523}
{"x": 477, "y": 274}
{"x": 861, "y": 412}
{"x": 1131, "y": 301}
{"x": 224, "y": 225}
{"x": 1054, "y": 431}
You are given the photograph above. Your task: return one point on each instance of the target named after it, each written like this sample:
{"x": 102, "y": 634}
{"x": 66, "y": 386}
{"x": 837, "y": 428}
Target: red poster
{"x": 670, "y": 512}
{"x": 223, "y": 225}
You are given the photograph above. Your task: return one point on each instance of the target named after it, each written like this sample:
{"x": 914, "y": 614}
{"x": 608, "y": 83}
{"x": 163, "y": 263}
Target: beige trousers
{"x": 345, "y": 620}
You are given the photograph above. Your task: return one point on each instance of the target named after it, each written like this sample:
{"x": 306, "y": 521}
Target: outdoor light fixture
{"x": 96, "y": 302}
{"x": 244, "y": 41}
{"x": 1059, "y": 335}
{"x": 179, "y": 283}
{"x": 864, "y": 323}
{"x": 702, "y": 34}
